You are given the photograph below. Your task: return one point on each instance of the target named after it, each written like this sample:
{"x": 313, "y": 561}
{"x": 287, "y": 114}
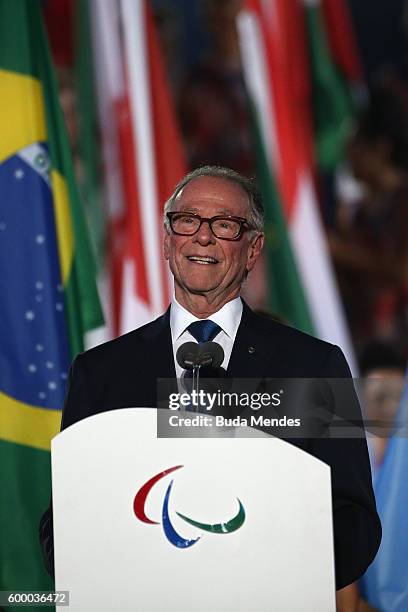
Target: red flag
{"x": 143, "y": 157}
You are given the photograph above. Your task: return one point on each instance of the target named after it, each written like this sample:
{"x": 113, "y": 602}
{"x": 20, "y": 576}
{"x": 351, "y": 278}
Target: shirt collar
{"x": 228, "y": 318}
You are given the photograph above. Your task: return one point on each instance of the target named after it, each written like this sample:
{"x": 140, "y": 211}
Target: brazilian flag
{"x": 48, "y": 296}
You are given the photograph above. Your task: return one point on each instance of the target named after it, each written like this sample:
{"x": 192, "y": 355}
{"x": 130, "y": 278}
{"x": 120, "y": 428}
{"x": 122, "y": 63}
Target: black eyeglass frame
{"x": 243, "y": 224}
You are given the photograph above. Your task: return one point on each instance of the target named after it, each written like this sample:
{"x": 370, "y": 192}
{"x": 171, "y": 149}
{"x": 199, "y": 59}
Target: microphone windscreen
{"x": 187, "y": 355}
{"x": 211, "y": 354}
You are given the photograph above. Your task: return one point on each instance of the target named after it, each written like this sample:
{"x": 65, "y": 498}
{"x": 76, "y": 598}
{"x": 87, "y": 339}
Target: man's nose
{"x": 204, "y": 235}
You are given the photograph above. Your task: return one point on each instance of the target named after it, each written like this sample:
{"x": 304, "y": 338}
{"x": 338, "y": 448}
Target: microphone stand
{"x": 196, "y": 382}
{"x": 191, "y": 356}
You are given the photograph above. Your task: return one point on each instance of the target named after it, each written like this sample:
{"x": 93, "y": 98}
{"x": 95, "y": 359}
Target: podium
{"x": 230, "y": 523}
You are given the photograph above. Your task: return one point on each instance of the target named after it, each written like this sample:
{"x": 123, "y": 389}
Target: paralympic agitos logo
{"x": 169, "y": 531}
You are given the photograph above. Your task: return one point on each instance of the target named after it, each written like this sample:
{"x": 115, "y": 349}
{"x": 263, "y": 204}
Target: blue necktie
{"x": 204, "y": 331}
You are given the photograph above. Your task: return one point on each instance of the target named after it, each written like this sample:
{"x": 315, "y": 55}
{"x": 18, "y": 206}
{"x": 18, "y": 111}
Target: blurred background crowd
{"x": 361, "y": 185}
{"x": 311, "y": 98}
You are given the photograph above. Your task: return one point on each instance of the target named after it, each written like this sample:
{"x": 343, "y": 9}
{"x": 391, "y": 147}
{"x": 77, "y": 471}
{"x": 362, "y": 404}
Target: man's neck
{"x": 203, "y": 306}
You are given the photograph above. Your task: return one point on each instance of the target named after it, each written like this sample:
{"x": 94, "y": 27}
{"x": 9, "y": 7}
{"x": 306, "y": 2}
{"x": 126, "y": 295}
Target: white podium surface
{"x": 280, "y": 559}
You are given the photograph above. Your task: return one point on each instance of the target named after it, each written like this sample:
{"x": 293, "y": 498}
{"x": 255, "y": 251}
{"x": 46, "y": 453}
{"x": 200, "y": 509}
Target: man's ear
{"x": 166, "y": 244}
{"x": 254, "y": 250}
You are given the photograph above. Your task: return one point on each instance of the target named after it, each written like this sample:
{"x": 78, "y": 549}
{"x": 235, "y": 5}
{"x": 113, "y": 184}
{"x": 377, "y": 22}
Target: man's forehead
{"x": 214, "y": 191}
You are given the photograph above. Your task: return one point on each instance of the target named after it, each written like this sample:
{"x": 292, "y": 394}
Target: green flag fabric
{"x": 332, "y": 105}
{"x": 286, "y": 297}
{"x": 88, "y": 131}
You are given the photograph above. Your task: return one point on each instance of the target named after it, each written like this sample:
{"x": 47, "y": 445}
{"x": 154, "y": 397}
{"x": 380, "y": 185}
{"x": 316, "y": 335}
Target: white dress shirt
{"x": 228, "y": 318}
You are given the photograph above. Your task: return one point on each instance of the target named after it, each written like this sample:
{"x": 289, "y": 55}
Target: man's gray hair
{"x": 256, "y": 209}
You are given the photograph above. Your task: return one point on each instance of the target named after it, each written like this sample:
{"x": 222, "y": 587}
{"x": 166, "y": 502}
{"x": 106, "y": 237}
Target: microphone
{"x": 211, "y": 355}
{"x": 191, "y": 355}
{"x": 199, "y": 359}
{"x": 187, "y": 355}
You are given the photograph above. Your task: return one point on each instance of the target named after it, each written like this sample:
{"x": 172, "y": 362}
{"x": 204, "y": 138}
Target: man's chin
{"x": 200, "y": 288}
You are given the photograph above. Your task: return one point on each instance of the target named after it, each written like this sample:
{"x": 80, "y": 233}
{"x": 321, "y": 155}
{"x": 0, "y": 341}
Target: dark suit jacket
{"x": 124, "y": 373}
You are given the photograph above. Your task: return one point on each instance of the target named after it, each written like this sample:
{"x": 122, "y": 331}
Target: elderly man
{"x": 213, "y": 238}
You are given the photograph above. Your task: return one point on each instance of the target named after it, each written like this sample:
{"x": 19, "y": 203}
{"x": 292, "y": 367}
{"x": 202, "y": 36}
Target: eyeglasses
{"x": 224, "y": 228}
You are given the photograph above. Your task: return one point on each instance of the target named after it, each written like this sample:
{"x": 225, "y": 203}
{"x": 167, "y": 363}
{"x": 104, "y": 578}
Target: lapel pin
{"x": 251, "y": 350}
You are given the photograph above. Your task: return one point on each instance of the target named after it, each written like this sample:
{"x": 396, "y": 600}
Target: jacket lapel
{"x": 251, "y": 356}
{"x": 159, "y": 348}
{"x": 158, "y": 358}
